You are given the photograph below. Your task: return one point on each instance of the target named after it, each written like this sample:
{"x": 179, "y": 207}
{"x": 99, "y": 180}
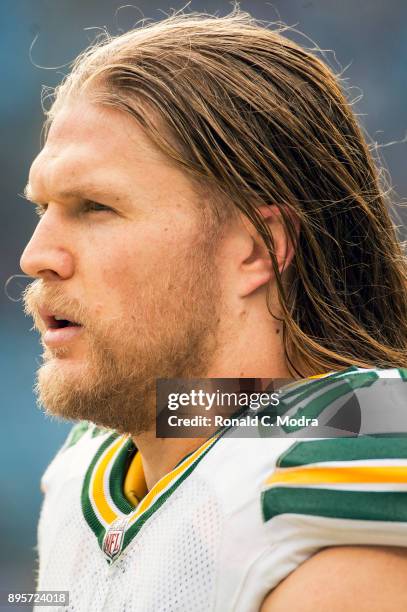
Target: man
{"x": 209, "y": 208}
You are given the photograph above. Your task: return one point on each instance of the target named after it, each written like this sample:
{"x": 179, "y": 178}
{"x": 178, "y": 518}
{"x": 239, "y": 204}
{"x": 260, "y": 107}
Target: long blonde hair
{"x": 255, "y": 118}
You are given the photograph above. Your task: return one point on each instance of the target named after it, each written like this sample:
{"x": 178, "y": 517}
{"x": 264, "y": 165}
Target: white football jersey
{"x": 231, "y": 520}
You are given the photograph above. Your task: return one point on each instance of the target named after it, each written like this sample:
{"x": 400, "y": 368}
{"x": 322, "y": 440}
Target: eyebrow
{"x": 68, "y": 193}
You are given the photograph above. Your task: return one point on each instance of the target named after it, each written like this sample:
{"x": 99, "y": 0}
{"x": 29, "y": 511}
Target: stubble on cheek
{"x": 168, "y": 331}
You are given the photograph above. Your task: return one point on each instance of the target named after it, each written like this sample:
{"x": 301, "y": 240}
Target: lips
{"x": 56, "y": 320}
{"x": 60, "y": 328}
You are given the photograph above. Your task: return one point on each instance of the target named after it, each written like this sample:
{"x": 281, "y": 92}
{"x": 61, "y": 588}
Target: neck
{"x": 256, "y": 351}
{"x": 160, "y": 455}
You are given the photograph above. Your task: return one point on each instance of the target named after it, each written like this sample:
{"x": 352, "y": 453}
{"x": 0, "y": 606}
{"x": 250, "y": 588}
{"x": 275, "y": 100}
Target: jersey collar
{"x": 112, "y": 518}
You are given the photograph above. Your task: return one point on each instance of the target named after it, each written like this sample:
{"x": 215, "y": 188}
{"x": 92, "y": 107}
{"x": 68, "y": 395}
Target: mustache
{"x": 37, "y": 295}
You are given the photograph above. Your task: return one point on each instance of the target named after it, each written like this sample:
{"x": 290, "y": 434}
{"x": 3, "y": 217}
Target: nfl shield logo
{"x": 113, "y": 540}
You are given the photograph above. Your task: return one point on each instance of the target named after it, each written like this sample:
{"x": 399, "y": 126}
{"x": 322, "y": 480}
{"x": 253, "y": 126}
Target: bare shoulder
{"x": 352, "y": 578}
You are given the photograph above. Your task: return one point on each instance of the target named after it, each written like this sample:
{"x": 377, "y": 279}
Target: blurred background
{"x": 38, "y": 37}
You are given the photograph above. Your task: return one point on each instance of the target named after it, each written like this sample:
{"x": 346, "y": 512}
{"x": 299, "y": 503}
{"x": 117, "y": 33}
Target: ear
{"x": 256, "y": 270}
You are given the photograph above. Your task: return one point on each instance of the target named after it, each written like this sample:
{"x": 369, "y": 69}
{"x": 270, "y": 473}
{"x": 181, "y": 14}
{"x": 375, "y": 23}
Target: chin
{"x": 61, "y": 392}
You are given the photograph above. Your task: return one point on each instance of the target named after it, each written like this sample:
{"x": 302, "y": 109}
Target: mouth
{"x": 55, "y": 322}
{"x": 59, "y": 328}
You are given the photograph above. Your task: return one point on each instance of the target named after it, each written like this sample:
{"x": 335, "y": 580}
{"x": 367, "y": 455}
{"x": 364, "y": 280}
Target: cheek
{"x": 119, "y": 276}
{"x": 128, "y": 264}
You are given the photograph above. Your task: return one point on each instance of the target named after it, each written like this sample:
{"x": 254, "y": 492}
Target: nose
{"x": 47, "y": 255}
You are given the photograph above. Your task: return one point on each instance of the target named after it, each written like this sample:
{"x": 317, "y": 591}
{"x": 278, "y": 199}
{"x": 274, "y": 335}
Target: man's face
{"x": 121, "y": 250}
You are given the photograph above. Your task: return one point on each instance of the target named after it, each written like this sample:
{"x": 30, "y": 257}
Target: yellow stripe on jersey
{"x": 98, "y": 486}
{"x": 335, "y": 475}
{"x": 320, "y": 375}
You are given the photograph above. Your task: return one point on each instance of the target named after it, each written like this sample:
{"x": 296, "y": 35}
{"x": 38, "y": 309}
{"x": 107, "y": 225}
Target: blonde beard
{"x": 115, "y": 386}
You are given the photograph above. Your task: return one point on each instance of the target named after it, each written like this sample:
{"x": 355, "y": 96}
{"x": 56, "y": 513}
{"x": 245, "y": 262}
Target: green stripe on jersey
{"x": 117, "y": 476}
{"x": 403, "y": 374}
{"x": 87, "y": 509}
{"x": 313, "y": 396}
{"x": 356, "y": 505}
{"x": 310, "y": 386}
{"x": 76, "y": 433}
{"x": 344, "y": 449}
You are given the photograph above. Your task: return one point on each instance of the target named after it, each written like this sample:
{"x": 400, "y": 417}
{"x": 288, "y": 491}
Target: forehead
{"x": 104, "y": 130}
{"x": 91, "y": 143}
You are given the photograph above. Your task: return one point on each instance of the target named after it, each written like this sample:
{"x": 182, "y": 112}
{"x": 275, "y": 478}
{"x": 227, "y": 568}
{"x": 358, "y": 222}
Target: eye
{"x": 90, "y": 206}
